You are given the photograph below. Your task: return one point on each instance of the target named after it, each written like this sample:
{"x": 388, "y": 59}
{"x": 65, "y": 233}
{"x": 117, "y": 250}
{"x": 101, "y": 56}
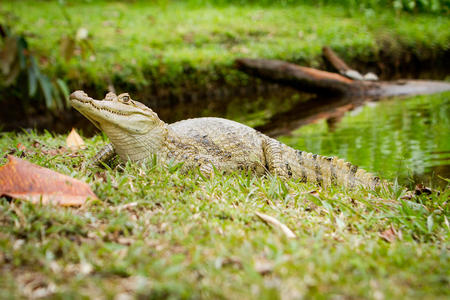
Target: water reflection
{"x": 303, "y": 113}
{"x": 408, "y": 139}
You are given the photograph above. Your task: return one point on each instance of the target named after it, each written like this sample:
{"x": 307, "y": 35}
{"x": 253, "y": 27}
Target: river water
{"x": 405, "y": 139}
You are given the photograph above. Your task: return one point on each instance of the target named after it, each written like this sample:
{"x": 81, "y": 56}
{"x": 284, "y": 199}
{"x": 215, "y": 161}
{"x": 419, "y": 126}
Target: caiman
{"x": 137, "y": 134}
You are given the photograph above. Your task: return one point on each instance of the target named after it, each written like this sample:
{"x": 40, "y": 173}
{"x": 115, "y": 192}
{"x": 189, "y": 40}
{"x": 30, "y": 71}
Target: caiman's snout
{"x": 80, "y": 101}
{"x": 80, "y": 95}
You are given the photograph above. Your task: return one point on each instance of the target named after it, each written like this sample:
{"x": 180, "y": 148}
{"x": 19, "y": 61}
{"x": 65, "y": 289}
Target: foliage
{"x": 77, "y": 41}
{"x": 135, "y": 48}
{"x": 158, "y": 233}
{"x": 17, "y": 61}
{"x": 423, "y": 6}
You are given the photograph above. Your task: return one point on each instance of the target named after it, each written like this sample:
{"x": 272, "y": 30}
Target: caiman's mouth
{"x": 82, "y": 97}
{"x": 85, "y": 105}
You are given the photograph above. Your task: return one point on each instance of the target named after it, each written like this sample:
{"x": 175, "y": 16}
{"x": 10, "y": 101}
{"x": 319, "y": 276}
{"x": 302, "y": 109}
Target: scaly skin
{"x": 137, "y": 134}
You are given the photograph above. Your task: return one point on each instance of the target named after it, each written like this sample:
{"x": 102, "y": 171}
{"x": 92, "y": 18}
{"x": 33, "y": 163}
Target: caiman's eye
{"x": 125, "y": 98}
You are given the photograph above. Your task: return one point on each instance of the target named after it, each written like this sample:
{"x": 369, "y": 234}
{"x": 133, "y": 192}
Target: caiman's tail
{"x": 332, "y": 170}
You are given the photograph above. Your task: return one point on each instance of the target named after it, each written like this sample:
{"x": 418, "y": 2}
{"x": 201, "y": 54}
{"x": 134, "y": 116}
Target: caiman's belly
{"x": 227, "y": 145}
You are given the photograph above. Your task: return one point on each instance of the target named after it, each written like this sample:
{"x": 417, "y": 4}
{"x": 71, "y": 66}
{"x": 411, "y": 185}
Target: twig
{"x": 343, "y": 68}
{"x": 277, "y": 224}
{"x": 335, "y": 60}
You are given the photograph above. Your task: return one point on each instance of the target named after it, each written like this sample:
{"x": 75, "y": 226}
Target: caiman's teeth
{"x": 88, "y": 100}
{"x": 100, "y": 108}
{"x": 107, "y": 109}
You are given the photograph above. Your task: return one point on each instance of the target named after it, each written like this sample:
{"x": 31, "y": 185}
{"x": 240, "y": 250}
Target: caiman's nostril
{"x": 73, "y": 95}
{"x": 78, "y": 95}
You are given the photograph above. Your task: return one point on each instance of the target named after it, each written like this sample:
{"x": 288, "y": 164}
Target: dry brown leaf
{"x": 421, "y": 189}
{"x": 35, "y": 285}
{"x": 36, "y": 144}
{"x": 277, "y": 224}
{"x": 54, "y": 151}
{"x": 263, "y": 266}
{"x": 232, "y": 261}
{"x": 21, "y": 147}
{"x": 8, "y": 54}
{"x": 21, "y": 179}
{"x": 74, "y": 141}
{"x": 391, "y": 234}
{"x": 67, "y": 47}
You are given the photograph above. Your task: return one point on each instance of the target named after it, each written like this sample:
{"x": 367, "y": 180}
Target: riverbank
{"x": 158, "y": 233}
{"x": 171, "y": 50}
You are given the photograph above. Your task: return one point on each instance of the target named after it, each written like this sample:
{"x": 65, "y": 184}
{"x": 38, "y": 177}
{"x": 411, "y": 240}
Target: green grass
{"x": 174, "y": 44}
{"x": 161, "y": 234}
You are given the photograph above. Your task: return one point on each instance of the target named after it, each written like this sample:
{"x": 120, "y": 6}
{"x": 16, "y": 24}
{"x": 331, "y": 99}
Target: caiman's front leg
{"x": 102, "y": 156}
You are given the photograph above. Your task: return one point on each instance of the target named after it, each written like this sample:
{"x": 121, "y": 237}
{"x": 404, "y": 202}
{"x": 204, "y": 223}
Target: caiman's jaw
{"x": 135, "y": 130}
{"x": 120, "y": 111}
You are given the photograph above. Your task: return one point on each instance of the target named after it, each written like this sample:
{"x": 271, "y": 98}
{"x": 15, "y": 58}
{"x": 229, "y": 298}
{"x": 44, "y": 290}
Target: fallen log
{"x": 322, "y": 82}
{"x": 343, "y": 69}
{"x": 303, "y": 78}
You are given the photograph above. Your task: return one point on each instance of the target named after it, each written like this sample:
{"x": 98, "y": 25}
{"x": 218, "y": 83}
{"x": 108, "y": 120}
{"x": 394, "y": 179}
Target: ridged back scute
{"x": 328, "y": 171}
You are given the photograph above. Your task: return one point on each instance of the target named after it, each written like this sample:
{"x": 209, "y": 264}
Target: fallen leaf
{"x": 391, "y": 234}
{"x": 421, "y": 189}
{"x": 21, "y": 179}
{"x": 126, "y": 206}
{"x": 126, "y": 241}
{"x": 21, "y": 147}
{"x": 74, "y": 141}
{"x": 8, "y": 54}
{"x": 100, "y": 176}
{"x": 408, "y": 195}
{"x": 35, "y": 285}
{"x": 54, "y": 151}
{"x": 67, "y": 47}
{"x": 446, "y": 223}
{"x": 313, "y": 192}
{"x": 233, "y": 261}
{"x": 263, "y": 266}
{"x": 277, "y": 224}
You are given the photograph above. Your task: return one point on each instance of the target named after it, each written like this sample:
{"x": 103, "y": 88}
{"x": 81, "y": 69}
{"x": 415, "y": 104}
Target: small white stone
{"x": 353, "y": 74}
{"x": 82, "y": 33}
{"x": 86, "y": 268}
{"x": 371, "y": 76}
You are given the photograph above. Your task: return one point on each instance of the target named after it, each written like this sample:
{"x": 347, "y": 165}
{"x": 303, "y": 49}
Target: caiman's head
{"x": 121, "y": 111}
{"x": 132, "y": 127}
